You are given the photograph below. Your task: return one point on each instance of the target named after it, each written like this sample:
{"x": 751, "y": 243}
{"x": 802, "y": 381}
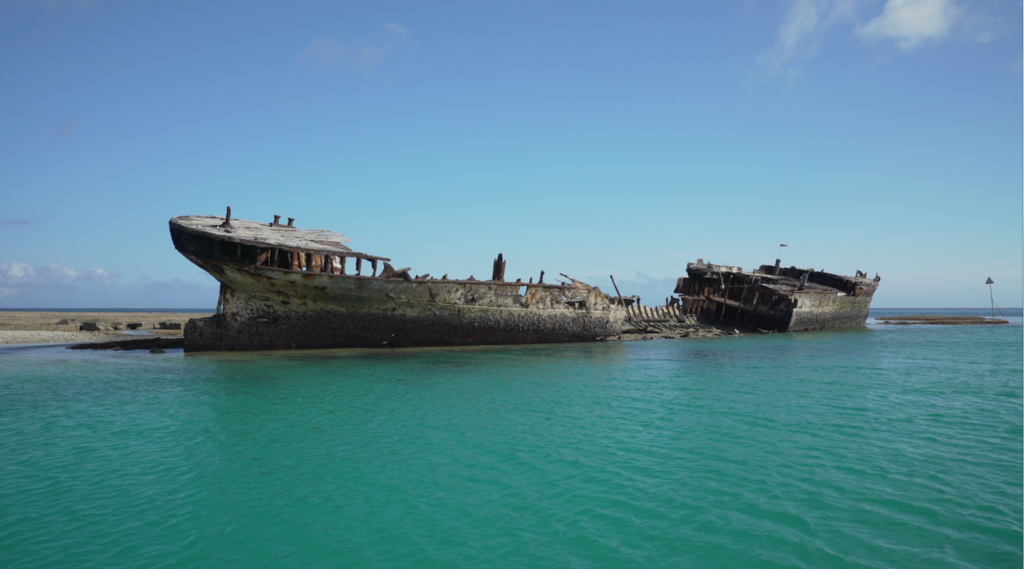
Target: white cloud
{"x": 913, "y": 22}
{"x": 53, "y": 285}
{"x": 910, "y": 23}
{"x": 16, "y": 277}
{"x": 364, "y": 54}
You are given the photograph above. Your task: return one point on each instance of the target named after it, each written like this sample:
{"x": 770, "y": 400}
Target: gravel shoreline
{"x": 32, "y": 327}
{"x": 51, "y": 337}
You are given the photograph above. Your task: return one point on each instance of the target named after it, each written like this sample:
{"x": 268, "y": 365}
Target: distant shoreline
{"x": 139, "y": 310}
{"x": 67, "y": 326}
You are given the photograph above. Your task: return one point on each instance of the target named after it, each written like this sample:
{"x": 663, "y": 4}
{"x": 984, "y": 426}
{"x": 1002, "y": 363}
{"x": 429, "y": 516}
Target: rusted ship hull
{"x": 264, "y": 307}
{"x": 775, "y": 299}
{"x": 829, "y": 312}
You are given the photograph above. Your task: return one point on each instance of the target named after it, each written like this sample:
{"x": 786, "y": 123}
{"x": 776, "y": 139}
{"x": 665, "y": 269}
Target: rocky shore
{"x": 79, "y": 327}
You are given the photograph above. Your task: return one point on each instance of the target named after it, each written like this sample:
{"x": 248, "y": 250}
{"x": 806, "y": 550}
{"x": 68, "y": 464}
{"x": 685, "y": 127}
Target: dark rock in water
{"x": 156, "y": 351}
{"x": 101, "y": 326}
{"x": 133, "y": 325}
{"x": 169, "y": 325}
{"x": 135, "y": 344}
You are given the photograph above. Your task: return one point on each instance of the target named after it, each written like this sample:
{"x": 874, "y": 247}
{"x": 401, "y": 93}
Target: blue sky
{"x": 588, "y": 138}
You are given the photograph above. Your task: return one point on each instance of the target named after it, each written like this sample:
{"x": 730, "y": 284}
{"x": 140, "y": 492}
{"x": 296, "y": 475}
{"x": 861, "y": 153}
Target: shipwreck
{"x": 282, "y": 287}
{"x": 775, "y": 299}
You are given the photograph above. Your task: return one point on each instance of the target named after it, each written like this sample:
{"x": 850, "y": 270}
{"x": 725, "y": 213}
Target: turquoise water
{"x": 884, "y": 447}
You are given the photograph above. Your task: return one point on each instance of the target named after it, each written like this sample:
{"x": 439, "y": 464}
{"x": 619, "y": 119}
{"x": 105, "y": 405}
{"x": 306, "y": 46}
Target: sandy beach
{"x": 46, "y": 327}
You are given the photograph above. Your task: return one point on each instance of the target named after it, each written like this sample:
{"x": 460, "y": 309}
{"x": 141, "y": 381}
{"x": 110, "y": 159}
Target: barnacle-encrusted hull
{"x": 265, "y": 307}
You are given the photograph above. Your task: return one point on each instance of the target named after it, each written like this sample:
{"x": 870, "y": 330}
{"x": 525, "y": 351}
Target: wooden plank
{"x": 743, "y": 297}
{"x": 725, "y": 298}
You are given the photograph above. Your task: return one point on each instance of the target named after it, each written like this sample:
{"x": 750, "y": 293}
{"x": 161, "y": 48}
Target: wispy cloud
{"x": 172, "y": 284}
{"x": 67, "y": 128}
{"x": 802, "y": 28}
{"x": 396, "y": 29}
{"x": 57, "y": 5}
{"x": 363, "y": 54}
{"x": 652, "y": 290}
{"x": 913, "y": 22}
{"x": 18, "y": 221}
{"x": 909, "y": 23}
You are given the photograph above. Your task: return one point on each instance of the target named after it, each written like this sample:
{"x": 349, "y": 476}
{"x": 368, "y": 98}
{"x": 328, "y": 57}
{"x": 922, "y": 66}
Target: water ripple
{"x": 877, "y": 448}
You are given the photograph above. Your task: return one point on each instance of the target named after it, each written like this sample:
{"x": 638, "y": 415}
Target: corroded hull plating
{"x": 830, "y": 312}
{"x": 270, "y": 308}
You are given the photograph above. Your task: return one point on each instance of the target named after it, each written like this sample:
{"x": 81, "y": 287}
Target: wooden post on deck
{"x": 498, "y": 273}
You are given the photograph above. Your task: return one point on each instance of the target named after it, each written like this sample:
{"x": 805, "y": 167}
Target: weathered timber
{"x": 498, "y": 272}
{"x": 784, "y": 300}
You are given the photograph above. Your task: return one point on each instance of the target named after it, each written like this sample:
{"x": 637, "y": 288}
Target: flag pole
{"x": 991, "y": 298}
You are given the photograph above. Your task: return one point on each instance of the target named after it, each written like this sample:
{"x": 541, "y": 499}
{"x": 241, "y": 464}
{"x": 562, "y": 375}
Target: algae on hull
{"x": 289, "y": 288}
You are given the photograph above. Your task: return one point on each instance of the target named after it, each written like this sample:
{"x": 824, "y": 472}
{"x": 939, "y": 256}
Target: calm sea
{"x": 891, "y": 446}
